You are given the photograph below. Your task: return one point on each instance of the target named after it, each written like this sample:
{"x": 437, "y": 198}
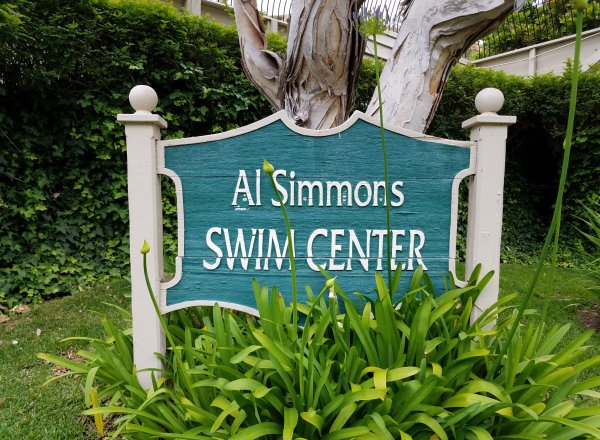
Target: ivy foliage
{"x": 66, "y": 69}
{"x": 534, "y": 150}
{"x": 63, "y": 79}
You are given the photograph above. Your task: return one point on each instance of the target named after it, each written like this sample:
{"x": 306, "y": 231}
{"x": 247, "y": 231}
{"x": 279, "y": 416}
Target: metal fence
{"x": 537, "y": 21}
{"x": 390, "y": 11}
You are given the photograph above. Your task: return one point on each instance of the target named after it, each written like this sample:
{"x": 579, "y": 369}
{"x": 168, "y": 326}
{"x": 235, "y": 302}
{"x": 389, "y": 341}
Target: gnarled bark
{"x": 433, "y": 35}
{"x": 315, "y": 84}
{"x": 265, "y": 69}
{"x": 323, "y": 60}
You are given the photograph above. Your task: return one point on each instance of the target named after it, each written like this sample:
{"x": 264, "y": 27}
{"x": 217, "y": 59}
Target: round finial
{"x": 489, "y": 100}
{"x": 143, "y": 99}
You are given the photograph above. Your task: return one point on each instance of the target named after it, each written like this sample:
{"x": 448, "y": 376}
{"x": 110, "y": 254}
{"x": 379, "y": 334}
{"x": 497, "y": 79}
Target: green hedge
{"x": 534, "y": 151}
{"x": 66, "y": 69}
{"x": 63, "y": 79}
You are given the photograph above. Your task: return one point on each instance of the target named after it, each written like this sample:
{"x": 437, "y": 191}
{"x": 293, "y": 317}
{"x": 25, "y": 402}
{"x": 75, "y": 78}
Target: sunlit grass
{"x": 28, "y": 410}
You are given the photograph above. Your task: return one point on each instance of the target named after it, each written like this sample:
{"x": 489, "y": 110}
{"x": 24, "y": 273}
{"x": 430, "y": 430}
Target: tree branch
{"x": 323, "y": 61}
{"x": 265, "y": 69}
{"x": 434, "y": 34}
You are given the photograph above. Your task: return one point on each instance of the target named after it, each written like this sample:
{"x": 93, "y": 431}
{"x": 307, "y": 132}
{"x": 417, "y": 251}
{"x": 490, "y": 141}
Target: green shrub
{"x": 534, "y": 150}
{"x": 592, "y": 234}
{"x": 416, "y": 369}
{"x": 63, "y": 80}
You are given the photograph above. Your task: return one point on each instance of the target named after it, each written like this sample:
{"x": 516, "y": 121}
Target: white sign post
{"x": 142, "y": 131}
{"x": 486, "y": 193}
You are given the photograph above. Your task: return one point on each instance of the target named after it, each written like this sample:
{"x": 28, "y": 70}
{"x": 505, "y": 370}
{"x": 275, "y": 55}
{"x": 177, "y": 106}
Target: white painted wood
{"x": 283, "y": 117}
{"x": 486, "y": 193}
{"x": 489, "y": 100}
{"x": 142, "y": 131}
{"x": 143, "y": 99}
{"x": 454, "y": 215}
{"x": 532, "y": 61}
{"x": 433, "y": 36}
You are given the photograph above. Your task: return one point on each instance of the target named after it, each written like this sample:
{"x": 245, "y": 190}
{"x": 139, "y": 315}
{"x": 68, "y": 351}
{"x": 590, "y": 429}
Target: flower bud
{"x": 580, "y": 5}
{"x": 268, "y": 168}
{"x": 330, "y": 283}
{"x": 145, "y": 248}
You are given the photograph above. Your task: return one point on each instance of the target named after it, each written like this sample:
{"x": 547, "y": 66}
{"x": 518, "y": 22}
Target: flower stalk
{"x": 373, "y": 27}
{"x": 269, "y": 169}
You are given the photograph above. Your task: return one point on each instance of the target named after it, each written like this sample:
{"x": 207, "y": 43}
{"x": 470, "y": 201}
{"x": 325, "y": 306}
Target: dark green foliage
{"x": 591, "y": 232}
{"x": 63, "y": 80}
{"x": 534, "y": 149}
{"x": 365, "y": 84}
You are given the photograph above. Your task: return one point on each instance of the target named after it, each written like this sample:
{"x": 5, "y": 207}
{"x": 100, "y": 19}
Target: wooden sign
{"x": 231, "y": 228}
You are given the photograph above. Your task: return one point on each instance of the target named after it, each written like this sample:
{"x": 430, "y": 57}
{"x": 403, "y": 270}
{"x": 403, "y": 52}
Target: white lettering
{"x": 213, "y": 247}
{"x": 310, "y": 186}
{"x": 334, "y": 248}
{"x": 340, "y": 196}
{"x": 281, "y": 189}
{"x": 415, "y": 251}
{"x": 369, "y": 191}
{"x": 397, "y": 193}
{"x": 381, "y": 233}
{"x": 242, "y": 187}
{"x": 309, "y": 249}
{"x": 364, "y": 258}
{"x": 258, "y": 174}
{"x": 376, "y": 187}
{"x": 240, "y": 247}
{"x": 274, "y": 245}
{"x": 396, "y": 247}
{"x": 260, "y": 247}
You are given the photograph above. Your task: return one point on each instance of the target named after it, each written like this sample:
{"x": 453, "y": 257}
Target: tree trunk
{"x": 315, "y": 84}
{"x": 323, "y": 60}
{"x": 265, "y": 69}
{"x": 432, "y": 37}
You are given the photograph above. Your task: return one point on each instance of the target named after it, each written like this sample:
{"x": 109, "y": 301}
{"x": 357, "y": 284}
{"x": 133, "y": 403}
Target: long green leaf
{"x": 290, "y": 420}
{"x": 348, "y": 433}
{"x": 258, "y": 430}
{"x": 585, "y": 426}
{"x": 342, "y": 417}
{"x": 431, "y": 423}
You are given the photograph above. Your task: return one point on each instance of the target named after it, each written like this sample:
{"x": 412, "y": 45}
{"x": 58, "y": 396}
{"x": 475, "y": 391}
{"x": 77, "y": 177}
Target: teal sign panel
{"x": 332, "y": 185}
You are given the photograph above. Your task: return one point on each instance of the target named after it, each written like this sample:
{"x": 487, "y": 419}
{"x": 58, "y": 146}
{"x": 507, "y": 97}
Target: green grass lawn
{"x": 27, "y": 409}
{"x": 30, "y": 411}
